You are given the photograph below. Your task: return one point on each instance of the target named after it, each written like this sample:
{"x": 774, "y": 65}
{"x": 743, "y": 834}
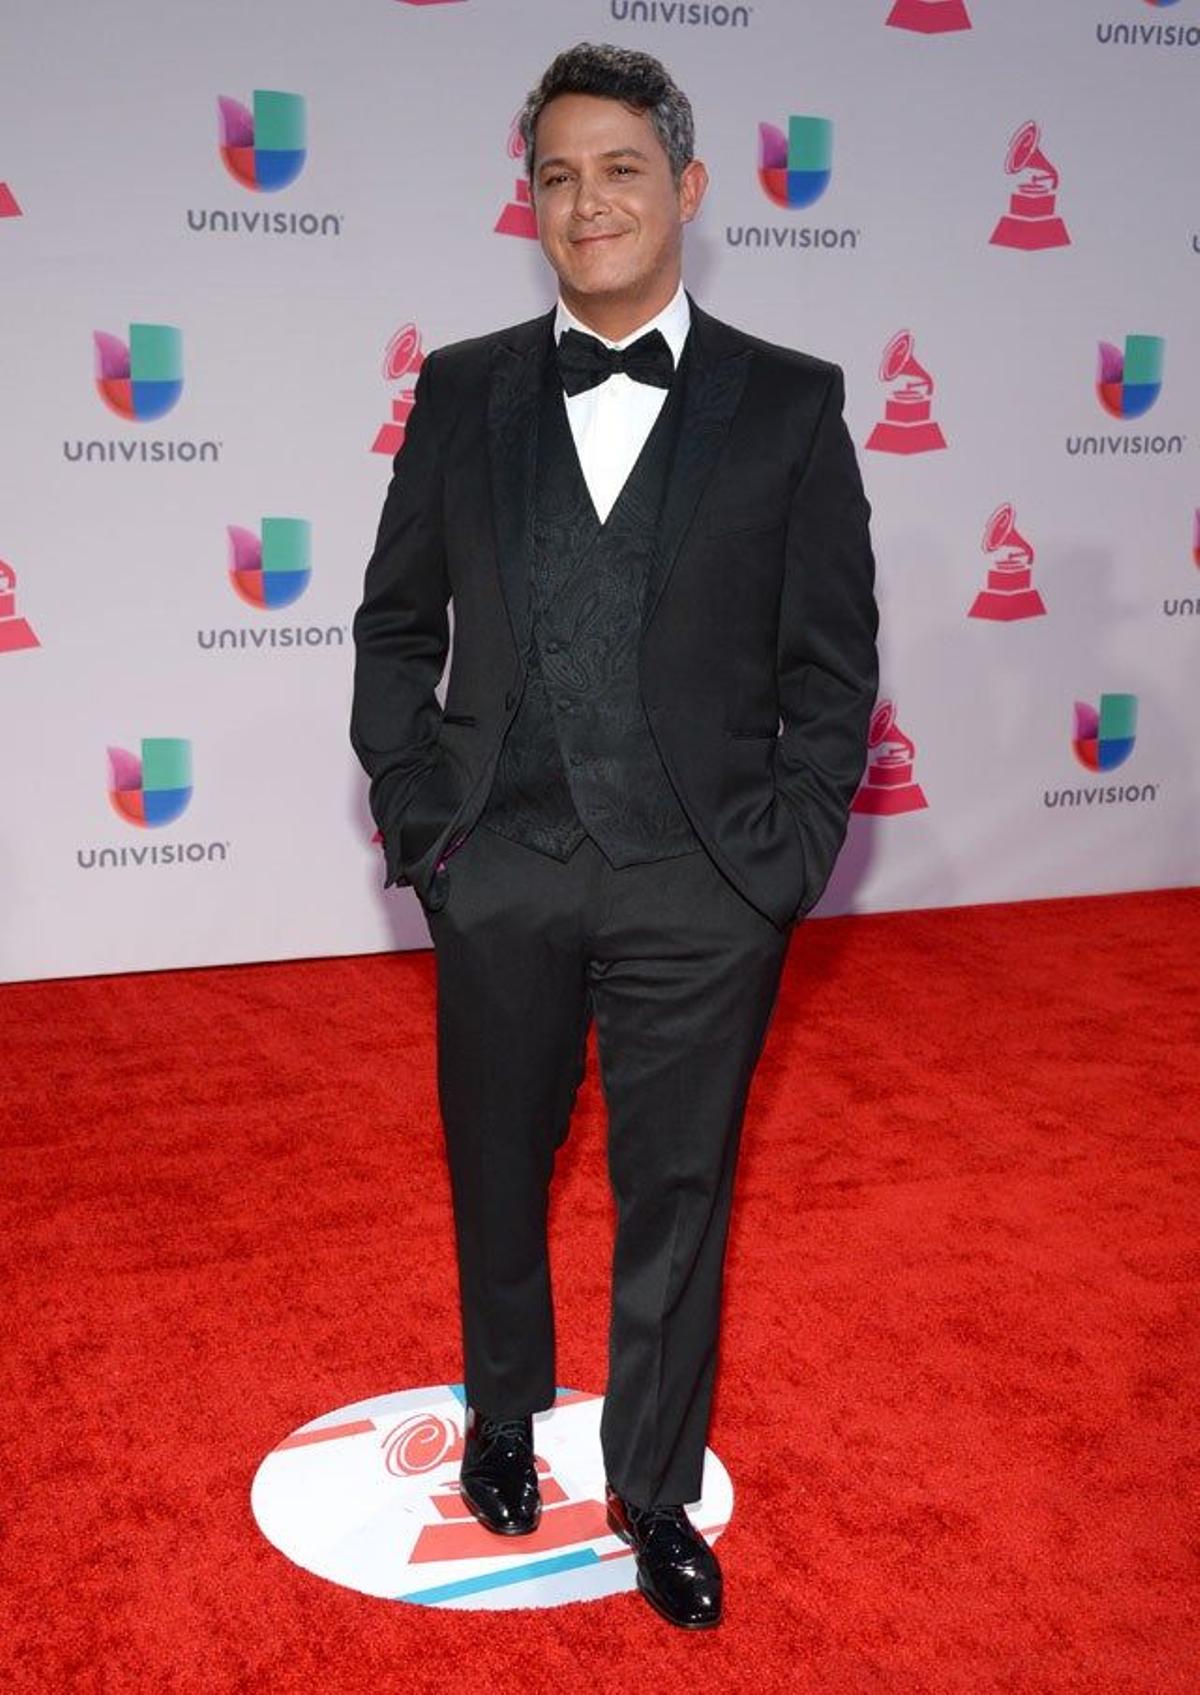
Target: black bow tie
{"x": 584, "y": 361}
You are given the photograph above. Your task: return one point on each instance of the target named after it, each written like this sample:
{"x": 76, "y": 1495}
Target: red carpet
{"x": 959, "y": 1383}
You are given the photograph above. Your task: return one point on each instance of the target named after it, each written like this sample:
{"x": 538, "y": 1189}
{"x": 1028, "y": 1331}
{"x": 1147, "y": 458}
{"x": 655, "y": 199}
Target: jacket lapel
{"x": 512, "y": 451}
{"x": 716, "y": 362}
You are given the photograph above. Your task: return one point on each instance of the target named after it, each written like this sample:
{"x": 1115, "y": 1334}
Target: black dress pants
{"x": 680, "y": 973}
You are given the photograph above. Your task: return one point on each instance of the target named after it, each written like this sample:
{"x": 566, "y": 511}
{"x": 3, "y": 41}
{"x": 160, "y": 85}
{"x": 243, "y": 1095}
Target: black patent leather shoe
{"x": 498, "y": 1478}
{"x": 677, "y": 1571}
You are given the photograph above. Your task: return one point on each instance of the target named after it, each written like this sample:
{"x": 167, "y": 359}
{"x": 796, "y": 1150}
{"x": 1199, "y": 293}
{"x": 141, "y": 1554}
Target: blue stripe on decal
{"x": 494, "y": 1579}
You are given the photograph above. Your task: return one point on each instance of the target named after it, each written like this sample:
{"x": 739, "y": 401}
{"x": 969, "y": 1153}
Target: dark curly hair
{"x": 617, "y": 73}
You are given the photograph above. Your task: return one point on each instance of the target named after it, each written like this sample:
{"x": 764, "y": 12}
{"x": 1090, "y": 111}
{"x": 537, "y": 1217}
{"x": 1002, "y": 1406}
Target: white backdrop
{"x": 119, "y": 622}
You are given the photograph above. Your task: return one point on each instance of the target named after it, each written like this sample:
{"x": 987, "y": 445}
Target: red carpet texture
{"x": 958, "y": 1394}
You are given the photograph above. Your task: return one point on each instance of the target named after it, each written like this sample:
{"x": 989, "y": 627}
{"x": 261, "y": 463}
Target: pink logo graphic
{"x": 1010, "y": 593}
{"x": 402, "y": 358}
{"x": 907, "y": 426}
{"x": 15, "y": 633}
{"x": 929, "y": 17}
{"x": 518, "y": 216}
{"x": 1196, "y": 537}
{"x": 424, "y": 1442}
{"x": 1031, "y": 222}
{"x": 888, "y": 786}
{"x": 8, "y": 202}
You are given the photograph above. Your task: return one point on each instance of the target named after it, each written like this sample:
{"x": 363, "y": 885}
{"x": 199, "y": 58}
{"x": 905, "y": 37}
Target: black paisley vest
{"x": 579, "y": 758}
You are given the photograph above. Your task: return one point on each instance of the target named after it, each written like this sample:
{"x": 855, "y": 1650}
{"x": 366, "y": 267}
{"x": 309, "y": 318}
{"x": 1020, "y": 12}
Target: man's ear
{"x": 693, "y": 182}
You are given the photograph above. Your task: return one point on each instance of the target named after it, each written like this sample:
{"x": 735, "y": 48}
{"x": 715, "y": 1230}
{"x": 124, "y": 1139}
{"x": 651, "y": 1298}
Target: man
{"x": 664, "y": 663}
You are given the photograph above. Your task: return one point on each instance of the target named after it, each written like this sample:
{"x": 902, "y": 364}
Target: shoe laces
{"x": 507, "y": 1430}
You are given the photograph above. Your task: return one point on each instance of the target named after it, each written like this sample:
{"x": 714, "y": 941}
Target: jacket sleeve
{"x": 401, "y": 629}
{"x": 828, "y": 668}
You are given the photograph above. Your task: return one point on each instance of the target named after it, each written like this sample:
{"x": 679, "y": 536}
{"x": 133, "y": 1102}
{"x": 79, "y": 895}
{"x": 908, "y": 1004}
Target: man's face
{"x": 610, "y": 216}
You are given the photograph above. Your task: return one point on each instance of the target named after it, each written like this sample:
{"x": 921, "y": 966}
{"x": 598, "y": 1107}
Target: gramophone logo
{"x": 8, "y": 202}
{"x": 518, "y": 216}
{"x": 402, "y": 360}
{"x": 154, "y": 789}
{"x": 1009, "y": 594}
{"x": 907, "y": 425}
{"x": 271, "y": 568}
{"x": 794, "y": 169}
{"x": 1196, "y": 537}
{"x": 1105, "y": 738}
{"x": 929, "y": 17}
{"x": 1130, "y": 381}
{"x": 1031, "y": 223}
{"x": 264, "y": 147}
{"x": 143, "y": 378}
{"x": 15, "y": 632}
{"x": 888, "y": 786}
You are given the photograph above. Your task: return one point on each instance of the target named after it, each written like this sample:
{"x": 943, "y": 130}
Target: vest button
{"x": 576, "y": 759}
{"x": 563, "y": 703}
{"x": 553, "y": 647}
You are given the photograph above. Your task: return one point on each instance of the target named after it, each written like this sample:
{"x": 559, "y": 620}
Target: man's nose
{"x": 590, "y": 198}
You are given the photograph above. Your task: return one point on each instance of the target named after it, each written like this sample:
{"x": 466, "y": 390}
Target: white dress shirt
{"x": 611, "y": 421}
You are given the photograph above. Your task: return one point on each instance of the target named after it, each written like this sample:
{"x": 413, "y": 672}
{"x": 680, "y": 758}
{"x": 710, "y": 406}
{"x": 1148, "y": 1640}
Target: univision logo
{"x": 685, "y": 14}
{"x": 264, "y": 147}
{"x": 139, "y": 380}
{"x": 1187, "y": 606}
{"x": 1148, "y": 34}
{"x": 1129, "y": 381}
{"x": 154, "y": 789}
{"x": 150, "y": 789}
{"x": 1104, "y": 738}
{"x": 268, "y": 569}
{"x": 794, "y": 170}
{"x": 273, "y": 567}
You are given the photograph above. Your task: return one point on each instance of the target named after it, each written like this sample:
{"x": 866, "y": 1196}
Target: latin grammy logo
{"x": 929, "y": 17}
{"x": 518, "y": 216}
{"x": 907, "y": 425}
{"x": 8, "y": 202}
{"x": 402, "y": 358}
{"x": 1031, "y": 222}
{"x": 1196, "y": 537}
{"x": 15, "y": 633}
{"x": 1010, "y": 593}
{"x": 888, "y": 786}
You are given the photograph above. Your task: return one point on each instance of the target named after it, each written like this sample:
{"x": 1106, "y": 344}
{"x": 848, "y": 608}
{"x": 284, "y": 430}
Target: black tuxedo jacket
{"x": 757, "y": 660}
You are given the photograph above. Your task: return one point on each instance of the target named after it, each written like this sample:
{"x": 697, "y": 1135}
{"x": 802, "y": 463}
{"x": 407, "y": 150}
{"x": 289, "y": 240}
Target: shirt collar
{"x": 674, "y": 321}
